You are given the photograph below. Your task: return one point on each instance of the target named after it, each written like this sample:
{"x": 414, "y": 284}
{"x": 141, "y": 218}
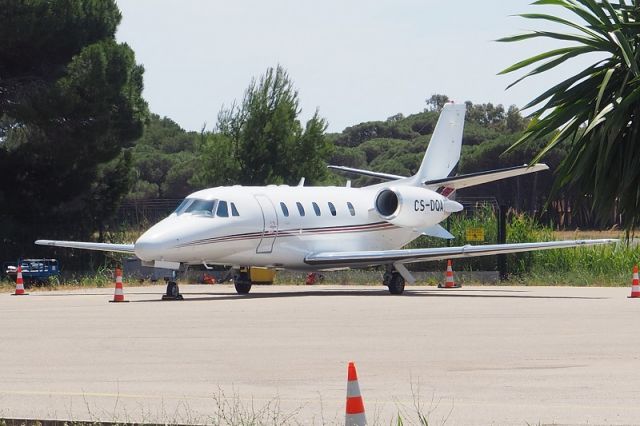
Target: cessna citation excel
{"x": 324, "y": 228}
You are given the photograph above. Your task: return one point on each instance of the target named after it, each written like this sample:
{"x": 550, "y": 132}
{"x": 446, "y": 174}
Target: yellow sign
{"x": 475, "y": 234}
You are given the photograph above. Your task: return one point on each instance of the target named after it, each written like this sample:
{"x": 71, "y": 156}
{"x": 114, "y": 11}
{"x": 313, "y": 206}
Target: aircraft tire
{"x": 173, "y": 292}
{"x": 396, "y": 284}
{"x": 242, "y": 287}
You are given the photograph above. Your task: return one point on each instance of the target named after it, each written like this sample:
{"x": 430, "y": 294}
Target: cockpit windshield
{"x": 197, "y": 207}
{"x": 209, "y": 208}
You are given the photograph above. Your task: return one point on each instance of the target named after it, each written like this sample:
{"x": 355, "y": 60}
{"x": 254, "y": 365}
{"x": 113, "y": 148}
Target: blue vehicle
{"x": 34, "y": 271}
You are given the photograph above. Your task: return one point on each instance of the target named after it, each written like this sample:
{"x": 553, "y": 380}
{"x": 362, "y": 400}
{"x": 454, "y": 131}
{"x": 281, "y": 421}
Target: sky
{"x": 353, "y": 60}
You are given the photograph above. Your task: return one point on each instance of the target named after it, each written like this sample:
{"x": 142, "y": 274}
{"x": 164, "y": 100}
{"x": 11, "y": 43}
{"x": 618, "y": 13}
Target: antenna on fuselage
{"x": 348, "y": 185}
{"x": 301, "y": 183}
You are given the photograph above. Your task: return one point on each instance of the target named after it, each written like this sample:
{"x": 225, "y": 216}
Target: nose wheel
{"x": 173, "y": 292}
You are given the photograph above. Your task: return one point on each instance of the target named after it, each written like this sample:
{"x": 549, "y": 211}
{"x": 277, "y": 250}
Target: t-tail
{"x": 441, "y": 157}
{"x": 443, "y": 152}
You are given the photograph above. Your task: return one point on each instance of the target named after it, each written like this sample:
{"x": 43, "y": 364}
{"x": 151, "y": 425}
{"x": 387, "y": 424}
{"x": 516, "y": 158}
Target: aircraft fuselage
{"x": 277, "y": 226}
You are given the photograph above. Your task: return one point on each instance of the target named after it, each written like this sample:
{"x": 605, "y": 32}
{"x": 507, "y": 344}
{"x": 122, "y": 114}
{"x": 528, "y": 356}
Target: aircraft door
{"x": 270, "y": 224}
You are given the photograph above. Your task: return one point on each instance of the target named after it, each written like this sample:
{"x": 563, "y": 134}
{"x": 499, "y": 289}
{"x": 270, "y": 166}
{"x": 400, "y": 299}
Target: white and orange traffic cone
{"x": 19, "y": 283}
{"x": 448, "y": 280}
{"x": 118, "y": 296}
{"x": 635, "y": 286}
{"x": 355, "y": 407}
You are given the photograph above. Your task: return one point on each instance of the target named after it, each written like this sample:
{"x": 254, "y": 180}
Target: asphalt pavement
{"x": 476, "y": 355}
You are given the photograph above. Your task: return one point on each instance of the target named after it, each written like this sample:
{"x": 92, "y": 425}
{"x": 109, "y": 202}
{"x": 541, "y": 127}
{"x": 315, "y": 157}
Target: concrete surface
{"x": 478, "y": 355}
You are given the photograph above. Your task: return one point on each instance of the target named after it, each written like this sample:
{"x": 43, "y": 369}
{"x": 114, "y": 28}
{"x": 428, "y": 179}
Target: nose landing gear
{"x": 173, "y": 291}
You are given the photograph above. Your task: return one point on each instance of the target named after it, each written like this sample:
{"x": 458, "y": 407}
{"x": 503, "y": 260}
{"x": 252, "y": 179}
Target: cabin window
{"x": 316, "y": 208}
{"x": 351, "y": 209}
{"x": 300, "y": 208}
{"x": 234, "y": 211}
{"x": 332, "y": 208}
{"x": 285, "y": 210}
{"x": 223, "y": 209}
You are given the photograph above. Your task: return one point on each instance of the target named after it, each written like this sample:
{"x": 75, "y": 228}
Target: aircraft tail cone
{"x": 448, "y": 280}
{"x": 635, "y": 286}
{"x": 19, "y": 283}
{"x": 118, "y": 295}
{"x": 355, "y": 407}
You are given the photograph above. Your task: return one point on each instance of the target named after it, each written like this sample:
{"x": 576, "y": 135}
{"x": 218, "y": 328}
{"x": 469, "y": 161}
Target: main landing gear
{"x": 394, "y": 281}
{"x": 242, "y": 281}
{"x": 395, "y": 277}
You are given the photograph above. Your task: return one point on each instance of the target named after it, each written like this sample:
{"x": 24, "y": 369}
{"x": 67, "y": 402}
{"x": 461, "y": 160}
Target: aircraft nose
{"x": 155, "y": 244}
{"x": 148, "y": 249}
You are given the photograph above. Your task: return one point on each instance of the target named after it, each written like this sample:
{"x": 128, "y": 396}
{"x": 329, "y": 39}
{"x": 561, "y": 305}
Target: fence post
{"x": 502, "y": 239}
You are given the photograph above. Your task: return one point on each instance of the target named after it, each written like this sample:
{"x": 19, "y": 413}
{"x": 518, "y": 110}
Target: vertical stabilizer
{"x": 443, "y": 151}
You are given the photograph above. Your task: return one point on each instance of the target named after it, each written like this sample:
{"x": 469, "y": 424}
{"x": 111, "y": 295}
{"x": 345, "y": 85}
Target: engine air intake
{"x": 386, "y": 202}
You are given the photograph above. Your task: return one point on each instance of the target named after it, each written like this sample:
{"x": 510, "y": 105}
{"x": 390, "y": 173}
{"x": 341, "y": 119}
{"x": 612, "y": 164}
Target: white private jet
{"x": 325, "y": 228}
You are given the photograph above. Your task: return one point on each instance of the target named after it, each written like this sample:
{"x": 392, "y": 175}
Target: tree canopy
{"x": 596, "y": 112}
{"x": 262, "y": 141}
{"x": 70, "y": 101}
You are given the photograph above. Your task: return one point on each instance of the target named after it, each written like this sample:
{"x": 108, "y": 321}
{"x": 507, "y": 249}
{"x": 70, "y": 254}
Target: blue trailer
{"x": 34, "y": 271}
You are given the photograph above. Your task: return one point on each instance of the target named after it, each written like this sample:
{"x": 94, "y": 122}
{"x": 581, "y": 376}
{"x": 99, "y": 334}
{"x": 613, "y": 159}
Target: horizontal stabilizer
{"x": 473, "y": 179}
{"x": 383, "y": 176}
{"x": 437, "y": 231}
{"x": 118, "y": 248}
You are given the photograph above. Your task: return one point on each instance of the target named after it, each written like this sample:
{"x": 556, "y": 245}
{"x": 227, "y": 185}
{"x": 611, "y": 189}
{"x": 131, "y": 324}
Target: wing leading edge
{"x": 367, "y": 258}
{"x": 118, "y": 248}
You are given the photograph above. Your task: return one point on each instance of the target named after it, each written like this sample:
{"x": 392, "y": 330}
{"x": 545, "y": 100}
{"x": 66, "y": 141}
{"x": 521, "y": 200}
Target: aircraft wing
{"x": 368, "y": 258}
{"x": 118, "y": 248}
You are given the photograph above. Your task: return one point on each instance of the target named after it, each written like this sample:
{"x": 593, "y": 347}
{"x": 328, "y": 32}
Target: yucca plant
{"x": 596, "y": 112}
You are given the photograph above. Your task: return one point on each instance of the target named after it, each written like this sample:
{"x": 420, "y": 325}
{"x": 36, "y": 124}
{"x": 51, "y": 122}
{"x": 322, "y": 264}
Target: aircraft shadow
{"x": 212, "y": 296}
{"x": 58, "y": 294}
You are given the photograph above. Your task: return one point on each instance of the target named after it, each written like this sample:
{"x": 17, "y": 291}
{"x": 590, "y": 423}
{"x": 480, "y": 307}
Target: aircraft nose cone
{"x": 147, "y": 249}
{"x": 156, "y": 243}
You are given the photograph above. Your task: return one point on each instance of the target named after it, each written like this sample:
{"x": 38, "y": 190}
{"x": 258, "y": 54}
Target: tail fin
{"x": 443, "y": 151}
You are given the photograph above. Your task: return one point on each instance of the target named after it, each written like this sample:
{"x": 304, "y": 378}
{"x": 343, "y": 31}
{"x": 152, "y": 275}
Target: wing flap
{"x": 367, "y": 258}
{"x": 118, "y": 248}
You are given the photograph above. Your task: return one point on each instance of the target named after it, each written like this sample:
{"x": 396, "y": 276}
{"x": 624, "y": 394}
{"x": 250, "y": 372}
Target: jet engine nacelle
{"x": 411, "y": 206}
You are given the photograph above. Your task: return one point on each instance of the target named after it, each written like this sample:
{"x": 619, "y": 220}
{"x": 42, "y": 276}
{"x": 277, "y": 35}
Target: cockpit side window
{"x": 234, "y": 211}
{"x": 201, "y": 207}
{"x": 223, "y": 209}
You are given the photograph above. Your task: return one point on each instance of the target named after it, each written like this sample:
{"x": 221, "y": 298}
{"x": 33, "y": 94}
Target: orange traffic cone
{"x": 19, "y": 283}
{"x": 635, "y": 286}
{"x": 448, "y": 281}
{"x": 118, "y": 296}
{"x": 355, "y": 407}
